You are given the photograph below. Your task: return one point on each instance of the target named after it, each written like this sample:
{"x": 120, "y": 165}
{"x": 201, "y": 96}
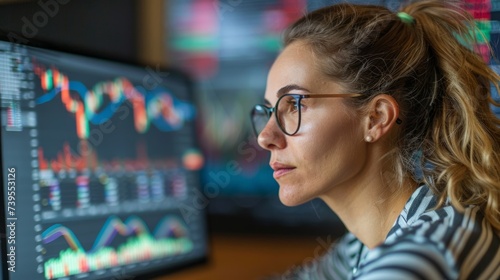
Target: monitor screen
{"x": 100, "y": 168}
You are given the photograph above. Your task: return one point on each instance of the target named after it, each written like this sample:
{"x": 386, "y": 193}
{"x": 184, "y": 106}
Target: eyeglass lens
{"x": 287, "y": 114}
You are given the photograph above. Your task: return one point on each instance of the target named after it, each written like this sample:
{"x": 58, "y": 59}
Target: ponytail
{"x": 463, "y": 142}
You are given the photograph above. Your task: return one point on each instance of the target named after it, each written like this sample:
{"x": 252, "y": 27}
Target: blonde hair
{"x": 449, "y": 134}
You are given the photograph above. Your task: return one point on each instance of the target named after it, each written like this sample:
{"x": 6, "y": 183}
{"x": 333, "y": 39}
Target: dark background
{"x": 106, "y": 28}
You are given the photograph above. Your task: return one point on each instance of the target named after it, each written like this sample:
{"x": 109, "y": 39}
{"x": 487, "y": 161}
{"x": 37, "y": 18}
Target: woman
{"x": 386, "y": 117}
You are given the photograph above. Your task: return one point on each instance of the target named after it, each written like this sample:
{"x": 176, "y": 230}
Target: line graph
{"x": 169, "y": 237}
{"x": 156, "y": 106}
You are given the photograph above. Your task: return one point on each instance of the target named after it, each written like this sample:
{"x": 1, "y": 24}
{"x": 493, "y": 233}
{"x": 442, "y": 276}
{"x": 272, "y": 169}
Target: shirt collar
{"x": 419, "y": 202}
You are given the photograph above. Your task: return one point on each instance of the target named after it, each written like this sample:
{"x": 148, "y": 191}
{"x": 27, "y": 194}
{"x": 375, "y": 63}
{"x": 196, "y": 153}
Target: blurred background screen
{"x": 229, "y": 46}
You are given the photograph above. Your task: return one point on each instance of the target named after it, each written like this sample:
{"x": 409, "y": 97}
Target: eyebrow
{"x": 286, "y": 89}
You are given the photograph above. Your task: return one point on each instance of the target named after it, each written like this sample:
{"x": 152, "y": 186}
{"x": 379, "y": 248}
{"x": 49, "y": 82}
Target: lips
{"x": 281, "y": 169}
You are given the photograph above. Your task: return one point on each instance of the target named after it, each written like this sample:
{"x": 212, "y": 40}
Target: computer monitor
{"x": 100, "y": 168}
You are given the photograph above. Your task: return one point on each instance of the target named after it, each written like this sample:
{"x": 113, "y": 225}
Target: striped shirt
{"x": 424, "y": 243}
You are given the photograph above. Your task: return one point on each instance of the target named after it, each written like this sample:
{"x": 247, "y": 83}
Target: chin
{"x": 291, "y": 198}
{"x": 289, "y": 203}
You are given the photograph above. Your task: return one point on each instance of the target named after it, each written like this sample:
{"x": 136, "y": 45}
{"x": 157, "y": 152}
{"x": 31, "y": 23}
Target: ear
{"x": 383, "y": 112}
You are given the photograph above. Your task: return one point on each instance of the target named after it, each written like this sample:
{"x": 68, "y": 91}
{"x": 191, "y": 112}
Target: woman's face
{"x": 328, "y": 152}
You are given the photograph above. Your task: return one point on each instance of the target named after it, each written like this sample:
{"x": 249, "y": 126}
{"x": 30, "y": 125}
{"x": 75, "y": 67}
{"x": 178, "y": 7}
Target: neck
{"x": 369, "y": 208}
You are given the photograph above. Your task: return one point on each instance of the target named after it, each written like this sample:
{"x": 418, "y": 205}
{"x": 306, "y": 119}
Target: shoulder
{"x": 438, "y": 244}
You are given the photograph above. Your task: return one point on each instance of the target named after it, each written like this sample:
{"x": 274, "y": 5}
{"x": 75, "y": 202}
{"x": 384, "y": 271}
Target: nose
{"x": 271, "y": 137}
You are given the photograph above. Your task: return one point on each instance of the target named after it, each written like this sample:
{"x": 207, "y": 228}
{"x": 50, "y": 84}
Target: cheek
{"x": 336, "y": 147}
{"x": 327, "y": 154}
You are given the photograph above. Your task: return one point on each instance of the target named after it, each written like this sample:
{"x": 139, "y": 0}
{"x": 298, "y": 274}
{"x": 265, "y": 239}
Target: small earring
{"x": 368, "y": 138}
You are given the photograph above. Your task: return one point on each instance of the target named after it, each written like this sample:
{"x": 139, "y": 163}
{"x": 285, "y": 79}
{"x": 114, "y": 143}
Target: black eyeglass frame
{"x": 298, "y": 97}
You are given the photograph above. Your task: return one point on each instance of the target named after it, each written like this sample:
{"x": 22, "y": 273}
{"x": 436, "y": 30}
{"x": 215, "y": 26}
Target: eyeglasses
{"x": 287, "y": 112}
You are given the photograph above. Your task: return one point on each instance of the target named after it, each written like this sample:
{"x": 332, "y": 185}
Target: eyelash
{"x": 295, "y": 102}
